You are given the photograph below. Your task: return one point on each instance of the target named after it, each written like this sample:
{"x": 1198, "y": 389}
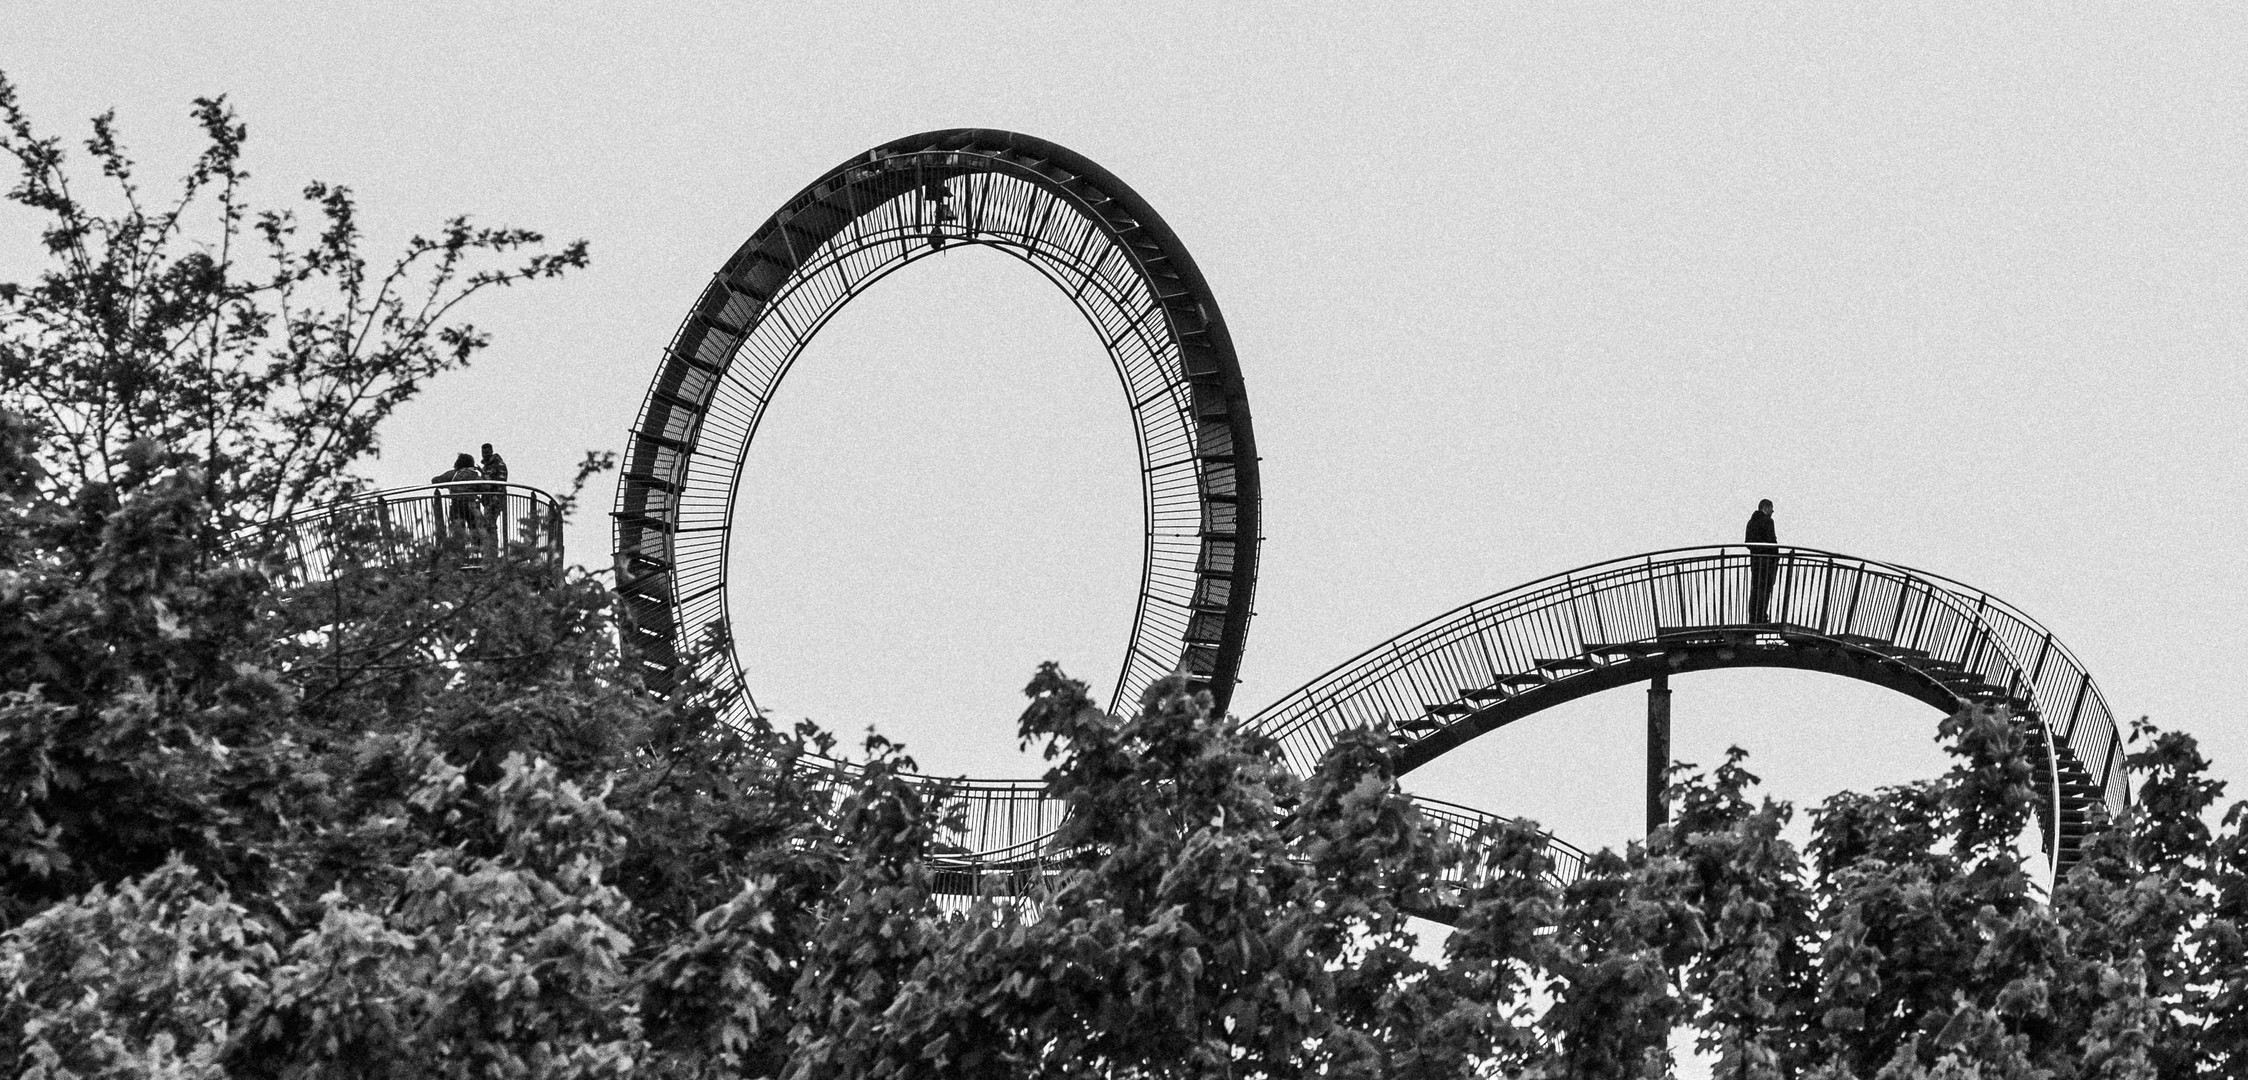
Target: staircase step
{"x": 1483, "y": 693}
{"x": 1623, "y": 648}
{"x": 1524, "y": 678}
{"x": 1566, "y": 663}
{"x": 1420, "y": 725}
{"x": 1451, "y": 708}
{"x": 1900, "y": 652}
{"x": 1783, "y": 628}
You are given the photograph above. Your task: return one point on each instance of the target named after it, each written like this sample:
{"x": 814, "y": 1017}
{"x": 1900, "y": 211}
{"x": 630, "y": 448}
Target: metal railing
{"x": 1506, "y": 646}
{"x": 1008, "y": 826}
{"x": 1538, "y": 635}
{"x": 1462, "y": 824}
{"x": 471, "y": 523}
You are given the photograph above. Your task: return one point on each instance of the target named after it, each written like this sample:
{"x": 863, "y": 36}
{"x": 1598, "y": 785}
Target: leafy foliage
{"x": 266, "y": 353}
{"x": 413, "y": 821}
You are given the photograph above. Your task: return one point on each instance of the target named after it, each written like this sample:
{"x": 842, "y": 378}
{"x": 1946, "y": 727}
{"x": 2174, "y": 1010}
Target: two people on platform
{"x": 1763, "y": 562}
{"x": 475, "y": 507}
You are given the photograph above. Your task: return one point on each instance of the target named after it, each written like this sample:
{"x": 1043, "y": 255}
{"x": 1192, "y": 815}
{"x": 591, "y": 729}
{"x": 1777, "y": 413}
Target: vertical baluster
{"x": 1850, "y": 613}
{"x": 1826, "y": 591}
{"x": 2075, "y": 713}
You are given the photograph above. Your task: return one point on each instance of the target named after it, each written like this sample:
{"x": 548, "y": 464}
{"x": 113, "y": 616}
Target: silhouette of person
{"x": 1763, "y": 562}
{"x": 494, "y": 468}
{"x": 458, "y": 505}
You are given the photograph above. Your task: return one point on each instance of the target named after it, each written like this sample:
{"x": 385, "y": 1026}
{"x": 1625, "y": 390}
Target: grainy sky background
{"x": 1517, "y": 287}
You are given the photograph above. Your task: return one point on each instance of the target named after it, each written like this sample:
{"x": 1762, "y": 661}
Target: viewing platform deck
{"x": 468, "y": 525}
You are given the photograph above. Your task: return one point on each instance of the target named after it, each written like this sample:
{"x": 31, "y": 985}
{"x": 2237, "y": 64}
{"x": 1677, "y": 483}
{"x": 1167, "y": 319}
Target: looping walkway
{"x": 1102, "y": 245}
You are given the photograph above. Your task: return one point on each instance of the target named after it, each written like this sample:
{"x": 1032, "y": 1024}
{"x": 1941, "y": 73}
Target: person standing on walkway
{"x": 494, "y": 469}
{"x": 1763, "y": 562}
{"x": 457, "y": 504}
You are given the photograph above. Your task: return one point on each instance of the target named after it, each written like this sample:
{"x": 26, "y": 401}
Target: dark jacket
{"x": 463, "y": 502}
{"x": 1760, "y": 531}
{"x": 494, "y": 468}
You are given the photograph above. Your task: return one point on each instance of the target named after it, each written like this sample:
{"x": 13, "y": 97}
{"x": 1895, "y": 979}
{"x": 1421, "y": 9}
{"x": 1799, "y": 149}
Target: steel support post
{"x": 1658, "y": 750}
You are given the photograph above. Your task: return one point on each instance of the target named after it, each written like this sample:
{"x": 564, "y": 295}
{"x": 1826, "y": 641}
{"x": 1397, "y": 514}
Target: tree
{"x": 265, "y": 358}
{"x": 432, "y": 825}
{"x": 163, "y": 387}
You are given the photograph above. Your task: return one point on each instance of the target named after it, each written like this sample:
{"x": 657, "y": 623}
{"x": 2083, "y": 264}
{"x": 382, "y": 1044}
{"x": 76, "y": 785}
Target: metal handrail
{"x": 1463, "y": 823}
{"x": 1643, "y": 559}
{"x": 1009, "y": 825}
{"x": 406, "y": 526}
{"x": 1002, "y": 821}
{"x": 1512, "y": 634}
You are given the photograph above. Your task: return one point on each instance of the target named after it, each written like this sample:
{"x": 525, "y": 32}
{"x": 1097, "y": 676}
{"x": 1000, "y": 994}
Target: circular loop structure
{"x": 1081, "y": 227}
{"x": 1496, "y": 660}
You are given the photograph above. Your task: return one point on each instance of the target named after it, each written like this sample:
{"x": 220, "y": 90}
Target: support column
{"x": 1658, "y": 749}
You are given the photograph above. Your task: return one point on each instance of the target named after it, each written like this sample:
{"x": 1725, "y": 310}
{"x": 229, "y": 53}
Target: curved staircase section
{"x": 1484, "y": 665}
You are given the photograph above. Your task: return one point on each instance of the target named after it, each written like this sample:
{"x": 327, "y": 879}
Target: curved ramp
{"x": 1498, "y": 659}
{"x": 1102, "y": 245}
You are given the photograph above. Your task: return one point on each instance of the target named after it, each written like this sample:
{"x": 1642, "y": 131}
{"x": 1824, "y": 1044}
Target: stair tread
{"x": 1635, "y": 647}
{"x": 1566, "y": 663}
{"x": 1902, "y": 652}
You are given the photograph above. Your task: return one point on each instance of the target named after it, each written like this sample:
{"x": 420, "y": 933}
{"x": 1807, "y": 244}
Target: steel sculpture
{"x": 1081, "y": 227}
{"x": 1435, "y": 687}
{"x": 1496, "y": 660}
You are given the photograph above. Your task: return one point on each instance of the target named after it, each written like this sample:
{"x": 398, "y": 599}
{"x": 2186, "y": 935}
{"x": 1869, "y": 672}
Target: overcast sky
{"x": 1516, "y": 288}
